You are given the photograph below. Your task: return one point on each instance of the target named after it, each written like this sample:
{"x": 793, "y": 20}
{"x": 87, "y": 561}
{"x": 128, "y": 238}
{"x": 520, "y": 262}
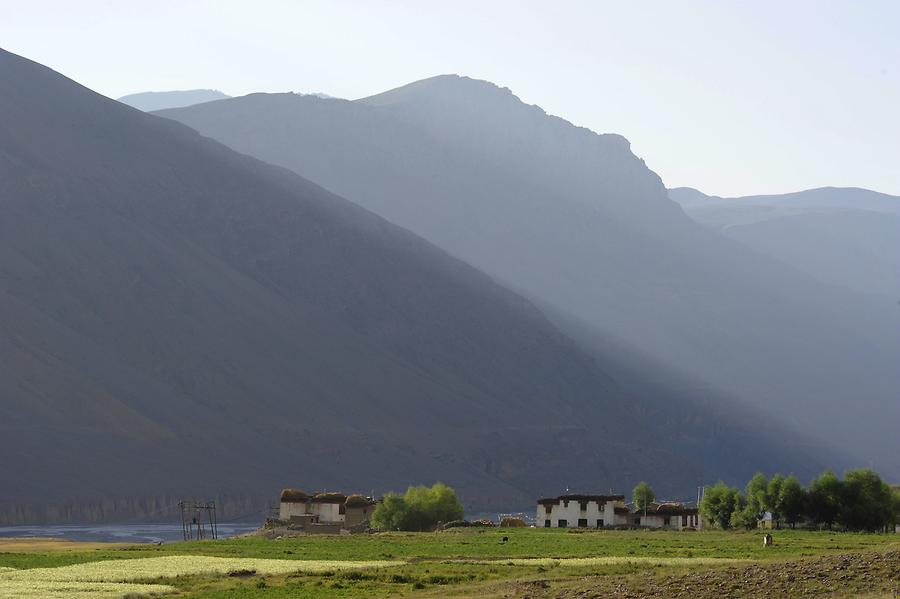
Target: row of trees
{"x": 420, "y": 508}
{"x": 861, "y": 501}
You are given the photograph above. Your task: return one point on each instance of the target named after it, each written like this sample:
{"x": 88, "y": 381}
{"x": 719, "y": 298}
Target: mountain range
{"x": 581, "y": 226}
{"x": 178, "y": 319}
{"x": 842, "y": 236}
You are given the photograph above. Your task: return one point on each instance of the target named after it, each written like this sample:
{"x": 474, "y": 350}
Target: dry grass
{"x": 130, "y": 570}
{"x": 42, "y": 545}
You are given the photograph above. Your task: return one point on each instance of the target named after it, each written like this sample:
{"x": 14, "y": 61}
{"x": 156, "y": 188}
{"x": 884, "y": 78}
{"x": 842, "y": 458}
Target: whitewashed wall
{"x": 572, "y": 513}
{"x": 327, "y": 512}
{"x": 286, "y": 510}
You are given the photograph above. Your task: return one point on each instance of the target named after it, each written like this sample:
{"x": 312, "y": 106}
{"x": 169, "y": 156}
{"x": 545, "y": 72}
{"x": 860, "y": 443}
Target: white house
{"x": 670, "y": 515}
{"x": 582, "y": 511}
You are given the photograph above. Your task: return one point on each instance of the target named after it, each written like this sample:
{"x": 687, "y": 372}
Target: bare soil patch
{"x": 849, "y": 574}
{"x": 41, "y": 545}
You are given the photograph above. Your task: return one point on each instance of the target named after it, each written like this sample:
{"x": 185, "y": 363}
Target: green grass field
{"x": 461, "y": 562}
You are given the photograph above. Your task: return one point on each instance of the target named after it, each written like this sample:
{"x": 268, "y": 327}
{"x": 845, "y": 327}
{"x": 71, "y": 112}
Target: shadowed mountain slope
{"x": 179, "y": 319}
{"x": 574, "y": 220}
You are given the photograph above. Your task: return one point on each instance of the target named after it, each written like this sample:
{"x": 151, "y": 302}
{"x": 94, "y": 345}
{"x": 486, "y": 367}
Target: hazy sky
{"x": 731, "y": 97}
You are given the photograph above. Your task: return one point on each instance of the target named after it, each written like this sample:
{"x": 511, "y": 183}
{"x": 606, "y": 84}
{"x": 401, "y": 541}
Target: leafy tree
{"x": 773, "y": 492}
{"x": 642, "y": 496}
{"x": 428, "y": 507}
{"x": 825, "y": 498}
{"x": 391, "y": 513}
{"x": 719, "y": 504}
{"x": 867, "y": 501}
{"x": 862, "y": 501}
{"x": 420, "y": 508}
{"x": 791, "y": 500}
{"x": 755, "y": 504}
{"x": 745, "y": 515}
{"x": 896, "y": 505}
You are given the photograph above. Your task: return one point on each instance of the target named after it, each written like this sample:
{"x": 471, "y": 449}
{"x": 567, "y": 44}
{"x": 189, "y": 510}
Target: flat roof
{"x": 581, "y": 497}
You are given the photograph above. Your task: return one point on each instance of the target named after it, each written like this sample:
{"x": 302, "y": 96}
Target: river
{"x": 119, "y": 533}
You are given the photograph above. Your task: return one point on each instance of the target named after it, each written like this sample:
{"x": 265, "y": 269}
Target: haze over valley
{"x": 847, "y": 237}
{"x": 579, "y": 224}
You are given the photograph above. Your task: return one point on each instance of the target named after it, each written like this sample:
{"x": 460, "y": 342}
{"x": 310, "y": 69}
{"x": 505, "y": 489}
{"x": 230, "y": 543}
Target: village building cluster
{"x": 607, "y": 511}
{"x": 336, "y": 513}
{"x": 327, "y": 513}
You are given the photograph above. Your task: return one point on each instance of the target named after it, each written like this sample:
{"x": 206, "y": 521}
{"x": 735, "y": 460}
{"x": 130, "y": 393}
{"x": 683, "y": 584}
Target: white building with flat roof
{"x": 582, "y": 511}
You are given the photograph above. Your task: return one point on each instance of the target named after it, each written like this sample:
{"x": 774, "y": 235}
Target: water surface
{"x": 119, "y": 533}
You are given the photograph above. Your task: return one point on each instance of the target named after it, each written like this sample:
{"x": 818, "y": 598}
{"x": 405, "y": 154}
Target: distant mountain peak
{"x": 685, "y": 189}
{"x": 829, "y": 195}
{"x": 445, "y": 87}
{"x": 479, "y": 103}
{"x": 321, "y": 95}
{"x": 150, "y": 101}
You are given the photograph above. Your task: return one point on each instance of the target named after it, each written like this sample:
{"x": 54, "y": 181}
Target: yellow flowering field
{"x": 115, "y": 578}
{"x": 35, "y": 589}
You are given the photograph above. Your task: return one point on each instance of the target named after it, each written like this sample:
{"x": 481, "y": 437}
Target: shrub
{"x": 242, "y": 572}
{"x": 420, "y": 508}
{"x": 508, "y": 522}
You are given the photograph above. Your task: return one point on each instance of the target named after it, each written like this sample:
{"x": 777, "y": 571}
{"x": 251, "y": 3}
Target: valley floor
{"x": 533, "y": 563}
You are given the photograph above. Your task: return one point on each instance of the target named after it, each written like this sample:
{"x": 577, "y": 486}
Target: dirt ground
{"x": 873, "y": 574}
{"x": 42, "y": 544}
